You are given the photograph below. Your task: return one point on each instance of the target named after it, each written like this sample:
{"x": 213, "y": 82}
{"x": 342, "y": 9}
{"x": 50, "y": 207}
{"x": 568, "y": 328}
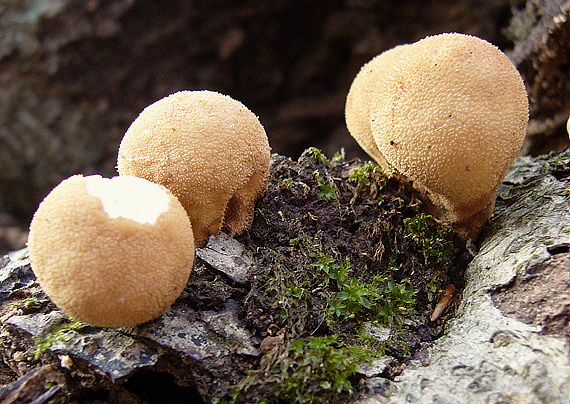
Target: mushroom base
{"x": 467, "y": 221}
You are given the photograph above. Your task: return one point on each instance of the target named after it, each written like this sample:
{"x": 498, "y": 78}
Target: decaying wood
{"x": 38, "y": 386}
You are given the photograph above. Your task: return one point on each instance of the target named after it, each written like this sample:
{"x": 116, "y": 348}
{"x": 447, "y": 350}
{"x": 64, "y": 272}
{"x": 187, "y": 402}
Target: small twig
{"x": 443, "y": 302}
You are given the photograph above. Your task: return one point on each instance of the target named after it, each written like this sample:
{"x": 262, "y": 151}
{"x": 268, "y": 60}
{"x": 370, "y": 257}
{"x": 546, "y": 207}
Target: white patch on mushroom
{"x": 129, "y": 197}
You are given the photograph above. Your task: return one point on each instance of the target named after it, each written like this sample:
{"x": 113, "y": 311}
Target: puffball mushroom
{"x": 450, "y": 112}
{"x": 357, "y": 111}
{"x": 111, "y": 252}
{"x": 209, "y": 150}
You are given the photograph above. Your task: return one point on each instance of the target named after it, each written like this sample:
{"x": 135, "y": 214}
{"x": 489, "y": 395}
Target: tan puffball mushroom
{"x": 111, "y": 252}
{"x": 209, "y": 150}
{"x": 357, "y": 110}
{"x": 451, "y": 114}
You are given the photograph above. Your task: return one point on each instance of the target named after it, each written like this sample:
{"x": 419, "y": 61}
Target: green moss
{"x": 310, "y": 370}
{"x": 317, "y": 156}
{"x": 60, "y": 332}
{"x": 437, "y": 241}
{"x": 337, "y": 157}
{"x": 385, "y": 300}
{"x": 318, "y": 371}
{"x": 31, "y": 304}
{"x": 366, "y": 175}
{"x": 350, "y": 297}
{"x": 326, "y": 190}
{"x": 398, "y": 301}
{"x": 370, "y": 180}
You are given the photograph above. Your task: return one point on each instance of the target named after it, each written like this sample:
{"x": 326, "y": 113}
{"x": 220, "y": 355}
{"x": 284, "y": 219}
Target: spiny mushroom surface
{"x": 111, "y": 252}
{"x": 450, "y": 113}
{"x": 209, "y": 150}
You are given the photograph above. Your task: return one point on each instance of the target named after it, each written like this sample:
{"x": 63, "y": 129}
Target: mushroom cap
{"x": 111, "y": 252}
{"x": 209, "y": 150}
{"x": 357, "y": 110}
{"x": 451, "y": 115}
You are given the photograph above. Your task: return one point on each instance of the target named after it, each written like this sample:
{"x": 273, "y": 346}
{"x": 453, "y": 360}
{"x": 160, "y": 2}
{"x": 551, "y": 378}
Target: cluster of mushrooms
{"x": 117, "y": 252}
{"x": 449, "y": 112}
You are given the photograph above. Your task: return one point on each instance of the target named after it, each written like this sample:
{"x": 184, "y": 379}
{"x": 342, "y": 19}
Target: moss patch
{"x": 339, "y": 246}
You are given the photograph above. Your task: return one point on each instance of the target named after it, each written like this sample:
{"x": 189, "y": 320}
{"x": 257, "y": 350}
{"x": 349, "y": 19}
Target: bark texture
{"x": 503, "y": 347}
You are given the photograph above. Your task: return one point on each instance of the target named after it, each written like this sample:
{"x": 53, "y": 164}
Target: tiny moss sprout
{"x": 326, "y": 191}
{"x": 433, "y": 288}
{"x": 353, "y": 296}
{"x": 61, "y": 332}
{"x": 296, "y": 292}
{"x": 435, "y": 240}
{"x": 295, "y": 241}
{"x": 333, "y": 269}
{"x": 369, "y": 179}
{"x": 318, "y": 157}
{"x": 338, "y": 156}
{"x": 31, "y": 304}
{"x": 365, "y": 175}
{"x": 398, "y": 300}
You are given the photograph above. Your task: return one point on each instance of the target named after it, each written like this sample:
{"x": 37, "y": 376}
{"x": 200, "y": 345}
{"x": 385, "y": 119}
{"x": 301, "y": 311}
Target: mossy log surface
{"x": 509, "y": 341}
{"x": 505, "y": 339}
